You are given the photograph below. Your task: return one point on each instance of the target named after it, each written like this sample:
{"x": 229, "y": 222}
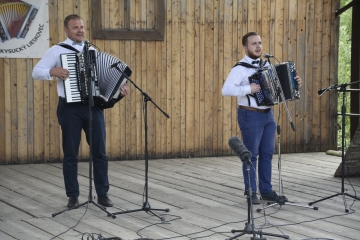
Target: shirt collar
{"x": 68, "y": 41}
{"x": 249, "y": 59}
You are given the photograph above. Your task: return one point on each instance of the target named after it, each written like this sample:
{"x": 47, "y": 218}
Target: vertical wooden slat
{"x": 183, "y": 89}
{"x": 22, "y": 108}
{"x": 217, "y": 66}
{"x": 197, "y": 60}
{"x": 138, "y": 80}
{"x": 7, "y": 102}
{"x": 309, "y": 74}
{"x": 2, "y": 113}
{"x": 301, "y": 141}
{"x": 333, "y": 64}
{"x": 13, "y": 112}
{"x": 228, "y": 110}
{"x": 175, "y": 79}
{"x": 208, "y": 79}
{"x": 135, "y": 118}
{"x": 290, "y": 137}
{"x": 325, "y": 77}
{"x": 316, "y": 69}
{"x": 39, "y": 137}
{"x": 190, "y": 78}
{"x": 30, "y": 112}
{"x": 202, "y": 82}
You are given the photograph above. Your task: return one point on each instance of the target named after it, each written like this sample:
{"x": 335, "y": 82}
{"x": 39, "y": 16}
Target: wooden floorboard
{"x": 204, "y": 195}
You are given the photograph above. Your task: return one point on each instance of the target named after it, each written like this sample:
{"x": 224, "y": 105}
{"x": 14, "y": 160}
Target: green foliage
{"x": 344, "y": 58}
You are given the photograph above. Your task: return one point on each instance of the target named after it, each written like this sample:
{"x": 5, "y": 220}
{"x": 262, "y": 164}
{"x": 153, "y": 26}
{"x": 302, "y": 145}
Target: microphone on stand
{"x": 240, "y": 150}
{"x": 266, "y": 55}
{"x": 321, "y": 91}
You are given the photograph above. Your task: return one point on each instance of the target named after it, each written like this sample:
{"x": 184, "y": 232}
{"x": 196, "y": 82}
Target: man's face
{"x": 75, "y": 30}
{"x": 253, "y": 47}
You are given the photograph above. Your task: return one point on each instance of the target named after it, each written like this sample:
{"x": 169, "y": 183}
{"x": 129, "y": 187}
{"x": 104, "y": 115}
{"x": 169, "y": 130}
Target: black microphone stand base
{"x": 146, "y": 208}
{"x": 343, "y": 112}
{"x": 85, "y": 203}
{"x": 283, "y": 201}
{"x": 338, "y": 194}
{"x": 250, "y": 225}
{"x": 249, "y": 230}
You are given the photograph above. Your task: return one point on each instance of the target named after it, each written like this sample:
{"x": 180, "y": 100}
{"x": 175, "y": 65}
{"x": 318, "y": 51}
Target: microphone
{"x": 113, "y": 65}
{"x": 239, "y": 148}
{"x": 266, "y": 55}
{"x": 321, "y": 91}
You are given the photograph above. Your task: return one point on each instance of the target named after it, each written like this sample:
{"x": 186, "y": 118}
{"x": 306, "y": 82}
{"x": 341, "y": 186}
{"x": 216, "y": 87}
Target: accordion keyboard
{"x": 72, "y": 93}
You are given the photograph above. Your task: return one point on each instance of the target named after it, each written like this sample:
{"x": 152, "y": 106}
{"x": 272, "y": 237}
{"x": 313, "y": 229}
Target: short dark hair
{"x": 245, "y": 37}
{"x": 70, "y": 17}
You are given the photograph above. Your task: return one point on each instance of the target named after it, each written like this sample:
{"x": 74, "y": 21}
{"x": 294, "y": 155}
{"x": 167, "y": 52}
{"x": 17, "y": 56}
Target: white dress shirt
{"x": 50, "y": 60}
{"x": 237, "y": 84}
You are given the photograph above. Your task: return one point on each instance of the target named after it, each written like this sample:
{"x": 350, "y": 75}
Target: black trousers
{"x": 73, "y": 117}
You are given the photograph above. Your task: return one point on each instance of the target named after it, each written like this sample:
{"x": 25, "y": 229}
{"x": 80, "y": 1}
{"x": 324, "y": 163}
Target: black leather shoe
{"x": 270, "y": 196}
{"x": 105, "y": 201}
{"x": 254, "y": 198}
{"x": 73, "y": 202}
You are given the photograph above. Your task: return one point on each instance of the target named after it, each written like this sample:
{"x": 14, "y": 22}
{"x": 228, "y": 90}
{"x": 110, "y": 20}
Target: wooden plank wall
{"x": 183, "y": 75}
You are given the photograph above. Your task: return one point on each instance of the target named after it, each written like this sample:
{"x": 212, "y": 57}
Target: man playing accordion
{"x": 256, "y": 123}
{"x": 73, "y": 117}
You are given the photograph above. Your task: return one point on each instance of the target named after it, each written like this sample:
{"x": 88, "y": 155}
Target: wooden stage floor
{"x": 204, "y": 195}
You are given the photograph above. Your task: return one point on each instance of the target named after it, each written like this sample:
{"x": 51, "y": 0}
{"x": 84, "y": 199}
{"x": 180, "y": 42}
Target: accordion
{"x": 15, "y": 19}
{"x": 268, "y": 94}
{"x": 106, "y": 82}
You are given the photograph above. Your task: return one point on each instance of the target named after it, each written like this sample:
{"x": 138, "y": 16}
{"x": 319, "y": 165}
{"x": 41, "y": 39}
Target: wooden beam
{"x": 355, "y": 68}
{"x": 343, "y": 9}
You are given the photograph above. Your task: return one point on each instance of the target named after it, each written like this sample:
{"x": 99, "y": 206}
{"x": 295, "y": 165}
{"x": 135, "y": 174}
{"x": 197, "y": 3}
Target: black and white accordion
{"x": 268, "y": 94}
{"x": 15, "y": 19}
{"x": 106, "y": 82}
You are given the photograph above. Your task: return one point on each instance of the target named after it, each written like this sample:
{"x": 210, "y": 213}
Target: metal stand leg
{"x": 342, "y": 193}
{"x": 249, "y": 225}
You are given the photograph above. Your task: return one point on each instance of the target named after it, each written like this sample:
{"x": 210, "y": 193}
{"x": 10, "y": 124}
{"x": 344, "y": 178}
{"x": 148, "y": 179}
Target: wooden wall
{"x": 183, "y": 74}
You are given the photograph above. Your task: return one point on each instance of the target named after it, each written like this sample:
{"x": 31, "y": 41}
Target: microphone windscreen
{"x": 239, "y": 148}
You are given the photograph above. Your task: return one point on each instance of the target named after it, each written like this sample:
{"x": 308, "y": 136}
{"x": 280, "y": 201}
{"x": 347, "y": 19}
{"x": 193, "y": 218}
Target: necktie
{"x": 75, "y": 43}
{"x": 255, "y": 62}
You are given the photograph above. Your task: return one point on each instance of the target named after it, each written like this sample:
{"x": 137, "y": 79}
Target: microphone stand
{"x": 282, "y": 199}
{"x": 90, "y": 78}
{"x": 146, "y": 206}
{"x": 250, "y": 225}
{"x": 343, "y": 111}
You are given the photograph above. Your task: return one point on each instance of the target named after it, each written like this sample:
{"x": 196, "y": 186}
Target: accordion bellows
{"x": 107, "y": 80}
{"x": 15, "y": 19}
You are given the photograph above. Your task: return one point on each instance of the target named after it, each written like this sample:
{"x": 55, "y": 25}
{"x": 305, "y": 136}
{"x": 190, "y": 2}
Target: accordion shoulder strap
{"x": 247, "y": 65}
{"x": 64, "y": 45}
{"x": 244, "y": 64}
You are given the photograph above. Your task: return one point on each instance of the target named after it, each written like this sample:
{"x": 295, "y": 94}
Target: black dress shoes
{"x": 73, "y": 202}
{"x": 105, "y": 201}
{"x": 254, "y": 198}
{"x": 270, "y": 196}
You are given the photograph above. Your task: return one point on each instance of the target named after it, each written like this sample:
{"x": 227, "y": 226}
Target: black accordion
{"x": 268, "y": 94}
{"x": 15, "y": 19}
{"x": 105, "y": 84}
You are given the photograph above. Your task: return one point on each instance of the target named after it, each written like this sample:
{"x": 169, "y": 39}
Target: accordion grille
{"x": 110, "y": 79}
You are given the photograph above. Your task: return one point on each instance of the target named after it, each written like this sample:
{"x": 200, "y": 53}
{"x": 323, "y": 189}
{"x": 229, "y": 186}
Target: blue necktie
{"x": 75, "y": 43}
{"x": 255, "y": 62}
